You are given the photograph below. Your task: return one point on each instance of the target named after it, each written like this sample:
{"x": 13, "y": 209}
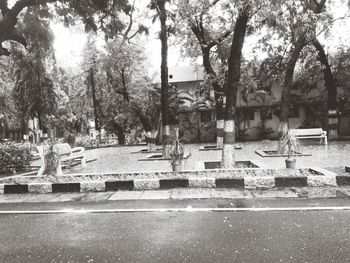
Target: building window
{"x": 205, "y": 116}
{"x": 248, "y": 114}
{"x": 293, "y": 111}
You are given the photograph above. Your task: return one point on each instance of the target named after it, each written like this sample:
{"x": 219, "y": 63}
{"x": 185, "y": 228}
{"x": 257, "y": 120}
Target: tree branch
{"x": 219, "y": 39}
{"x": 21, "y": 4}
{"x": 4, "y": 7}
{"x": 3, "y": 51}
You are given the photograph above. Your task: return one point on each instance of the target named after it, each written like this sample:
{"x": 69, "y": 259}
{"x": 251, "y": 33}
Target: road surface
{"x": 188, "y": 235}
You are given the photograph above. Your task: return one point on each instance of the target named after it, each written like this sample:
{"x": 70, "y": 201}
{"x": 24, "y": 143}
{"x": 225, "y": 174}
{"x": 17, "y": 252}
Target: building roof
{"x": 186, "y": 73}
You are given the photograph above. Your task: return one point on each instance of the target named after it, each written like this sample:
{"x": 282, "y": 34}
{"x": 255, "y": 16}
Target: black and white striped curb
{"x": 329, "y": 179}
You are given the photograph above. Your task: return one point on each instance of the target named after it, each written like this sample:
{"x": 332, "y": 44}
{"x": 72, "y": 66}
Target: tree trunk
{"x": 94, "y": 99}
{"x": 164, "y": 69}
{"x": 331, "y": 90}
{"x": 232, "y": 83}
{"x": 328, "y": 76}
{"x": 287, "y": 85}
{"x": 120, "y": 134}
{"x": 218, "y": 91}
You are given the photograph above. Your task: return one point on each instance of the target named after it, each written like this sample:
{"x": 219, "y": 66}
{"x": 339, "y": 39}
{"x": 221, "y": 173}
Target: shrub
{"x": 14, "y": 156}
{"x": 84, "y": 141}
{"x": 70, "y": 139}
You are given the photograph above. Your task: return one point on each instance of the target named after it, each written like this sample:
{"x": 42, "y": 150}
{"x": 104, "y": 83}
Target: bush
{"x": 70, "y": 139}
{"x": 84, "y": 141}
{"x": 14, "y": 156}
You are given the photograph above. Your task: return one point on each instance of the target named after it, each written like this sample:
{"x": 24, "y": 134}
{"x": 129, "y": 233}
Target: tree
{"x": 299, "y": 23}
{"x": 328, "y": 75}
{"x": 207, "y": 32}
{"x": 34, "y": 91}
{"x": 160, "y": 7}
{"x": 232, "y": 84}
{"x": 96, "y": 14}
{"x": 8, "y": 114}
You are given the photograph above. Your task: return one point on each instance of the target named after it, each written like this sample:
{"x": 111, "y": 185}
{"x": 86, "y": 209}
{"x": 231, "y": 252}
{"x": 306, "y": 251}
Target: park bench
{"x": 66, "y": 154}
{"x": 312, "y": 133}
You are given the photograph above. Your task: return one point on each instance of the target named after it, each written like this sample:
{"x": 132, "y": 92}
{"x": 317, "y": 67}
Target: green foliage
{"x": 8, "y": 113}
{"x": 14, "y": 156}
{"x": 34, "y": 92}
{"x": 84, "y": 141}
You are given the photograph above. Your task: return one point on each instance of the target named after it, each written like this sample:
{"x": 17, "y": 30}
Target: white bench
{"x": 312, "y": 133}
{"x": 65, "y": 154}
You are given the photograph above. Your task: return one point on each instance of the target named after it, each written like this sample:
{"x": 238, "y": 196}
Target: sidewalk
{"x": 180, "y": 194}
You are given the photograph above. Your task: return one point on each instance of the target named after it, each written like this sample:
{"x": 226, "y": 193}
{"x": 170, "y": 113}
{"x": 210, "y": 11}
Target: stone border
{"x": 202, "y": 148}
{"x": 263, "y": 154}
{"x": 148, "y": 158}
{"x": 249, "y": 182}
{"x": 145, "y": 151}
{"x": 200, "y": 165}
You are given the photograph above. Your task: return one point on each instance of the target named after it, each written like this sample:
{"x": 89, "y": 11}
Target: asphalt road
{"x": 246, "y": 236}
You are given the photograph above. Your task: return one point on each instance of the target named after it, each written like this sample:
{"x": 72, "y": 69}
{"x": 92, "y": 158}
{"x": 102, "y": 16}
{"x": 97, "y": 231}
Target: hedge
{"x": 14, "y": 157}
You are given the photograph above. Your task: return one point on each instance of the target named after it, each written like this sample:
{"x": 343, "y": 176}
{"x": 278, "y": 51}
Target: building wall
{"x": 198, "y": 126}
{"x": 195, "y": 131}
{"x": 253, "y": 127}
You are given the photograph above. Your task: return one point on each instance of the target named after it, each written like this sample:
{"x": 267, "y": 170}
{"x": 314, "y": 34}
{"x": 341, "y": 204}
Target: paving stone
{"x": 259, "y": 182}
{"x": 316, "y": 192}
{"x": 92, "y": 186}
{"x": 321, "y": 181}
{"x": 343, "y": 191}
{"x": 96, "y": 197}
{"x": 202, "y": 182}
{"x": 146, "y": 184}
{"x": 42, "y": 198}
{"x": 274, "y": 193}
{"x": 13, "y": 198}
{"x": 155, "y": 195}
{"x": 190, "y": 194}
{"x": 40, "y": 188}
{"x": 67, "y": 197}
{"x": 230, "y": 193}
{"x": 125, "y": 195}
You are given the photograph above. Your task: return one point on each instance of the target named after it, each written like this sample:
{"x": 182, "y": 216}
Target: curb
{"x": 160, "y": 184}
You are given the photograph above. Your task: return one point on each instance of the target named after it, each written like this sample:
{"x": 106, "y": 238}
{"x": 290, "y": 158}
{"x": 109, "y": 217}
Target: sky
{"x": 69, "y": 42}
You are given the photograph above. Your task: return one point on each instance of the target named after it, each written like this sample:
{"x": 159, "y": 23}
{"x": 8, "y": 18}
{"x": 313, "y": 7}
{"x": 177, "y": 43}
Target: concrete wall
{"x": 253, "y": 127}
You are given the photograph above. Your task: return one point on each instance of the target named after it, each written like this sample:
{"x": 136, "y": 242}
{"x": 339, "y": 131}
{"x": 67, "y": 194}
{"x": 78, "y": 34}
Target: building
{"x": 257, "y": 110}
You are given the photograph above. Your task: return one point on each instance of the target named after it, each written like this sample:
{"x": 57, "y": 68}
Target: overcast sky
{"x": 69, "y": 42}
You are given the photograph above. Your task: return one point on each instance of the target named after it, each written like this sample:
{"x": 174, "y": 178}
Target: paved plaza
{"x": 126, "y": 159}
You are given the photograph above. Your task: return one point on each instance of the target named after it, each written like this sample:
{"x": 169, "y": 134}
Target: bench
{"x": 66, "y": 154}
{"x": 312, "y": 133}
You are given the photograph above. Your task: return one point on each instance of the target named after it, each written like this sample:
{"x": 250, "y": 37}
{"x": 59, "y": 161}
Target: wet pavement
{"x": 172, "y": 236}
{"x": 124, "y": 159}
{"x": 181, "y": 194}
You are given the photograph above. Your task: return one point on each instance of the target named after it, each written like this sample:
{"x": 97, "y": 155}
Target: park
{"x": 209, "y": 104}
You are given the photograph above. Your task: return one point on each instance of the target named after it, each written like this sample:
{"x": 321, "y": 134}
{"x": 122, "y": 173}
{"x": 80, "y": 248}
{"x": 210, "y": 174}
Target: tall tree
{"x": 232, "y": 84}
{"x": 34, "y": 91}
{"x": 96, "y": 14}
{"x": 160, "y": 7}
{"x": 209, "y": 25}
{"x": 301, "y": 25}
